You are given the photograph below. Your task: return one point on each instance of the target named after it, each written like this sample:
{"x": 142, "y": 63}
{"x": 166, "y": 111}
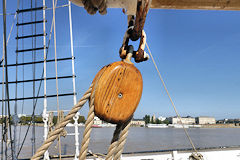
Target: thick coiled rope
{"x": 119, "y": 137}
{"x": 60, "y": 127}
{"x": 92, "y": 6}
{"x": 88, "y": 129}
{"x": 122, "y": 140}
{"x": 114, "y": 142}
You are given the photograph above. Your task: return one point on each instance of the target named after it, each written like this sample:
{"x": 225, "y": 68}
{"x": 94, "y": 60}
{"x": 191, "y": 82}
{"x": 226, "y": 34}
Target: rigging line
{"x": 9, "y": 35}
{"x": 39, "y": 88}
{"x": 15, "y": 120}
{"x": 23, "y": 86}
{"x": 62, "y": 6}
{"x": 33, "y": 73}
{"x": 6, "y": 73}
{"x": 56, "y": 71}
{"x": 174, "y": 107}
{"x": 3, "y": 79}
{"x": 35, "y": 45}
{"x": 7, "y": 14}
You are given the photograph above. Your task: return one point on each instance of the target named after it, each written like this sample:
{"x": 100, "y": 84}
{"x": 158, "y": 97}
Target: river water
{"x": 140, "y": 139}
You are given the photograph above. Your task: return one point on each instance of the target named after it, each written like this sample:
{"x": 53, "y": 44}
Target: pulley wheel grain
{"x": 118, "y": 90}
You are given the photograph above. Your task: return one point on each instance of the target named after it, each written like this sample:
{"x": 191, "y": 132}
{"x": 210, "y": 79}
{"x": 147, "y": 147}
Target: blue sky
{"x": 197, "y": 53}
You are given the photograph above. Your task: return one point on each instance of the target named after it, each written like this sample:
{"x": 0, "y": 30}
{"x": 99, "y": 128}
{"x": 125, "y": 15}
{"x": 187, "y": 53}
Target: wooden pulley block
{"x": 118, "y": 90}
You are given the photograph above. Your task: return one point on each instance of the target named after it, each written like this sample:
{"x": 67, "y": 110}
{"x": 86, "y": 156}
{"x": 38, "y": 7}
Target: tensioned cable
{"x": 11, "y": 14}
{"x": 3, "y": 72}
{"x": 9, "y": 35}
{"x": 56, "y": 71}
{"x": 7, "y": 104}
{"x": 16, "y": 87}
{"x": 39, "y": 88}
{"x": 33, "y": 73}
{"x": 174, "y": 107}
{"x": 62, "y": 6}
{"x": 23, "y": 85}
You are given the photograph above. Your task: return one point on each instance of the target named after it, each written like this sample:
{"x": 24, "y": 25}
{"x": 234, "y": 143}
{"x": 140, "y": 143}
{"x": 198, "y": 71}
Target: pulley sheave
{"x": 118, "y": 90}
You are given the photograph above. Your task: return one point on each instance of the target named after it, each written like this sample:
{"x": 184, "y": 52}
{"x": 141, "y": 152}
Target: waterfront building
{"x": 185, "y": 120}
{"x": 138, "y": 122}
{"x": 205, "y": 120}
{"x": 162, "y": 118}
{"x": 22, "y": 115}
{"x": 154, "y": 118}
{"x": 97, "y": 121}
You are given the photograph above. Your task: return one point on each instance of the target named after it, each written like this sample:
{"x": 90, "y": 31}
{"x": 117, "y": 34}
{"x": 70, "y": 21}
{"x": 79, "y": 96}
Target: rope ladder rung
{"x": 31, "y": 36}
{"x": 30, "y": 49}
{"x": 29, "y": 9}
{"x": 36, "y": 62}
{"x": 39, "y": 79}
{"x": 39, "y": 97}
{"x": 33, "y": 22}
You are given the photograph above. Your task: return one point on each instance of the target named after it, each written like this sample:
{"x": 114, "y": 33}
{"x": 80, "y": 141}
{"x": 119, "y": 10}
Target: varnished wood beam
{"x": 178, "y": 4}
{"x": 197, "y": 4}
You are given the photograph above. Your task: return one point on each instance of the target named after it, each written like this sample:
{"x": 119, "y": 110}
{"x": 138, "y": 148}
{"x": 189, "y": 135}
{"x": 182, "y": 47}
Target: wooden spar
{"x": 177, "y": 4}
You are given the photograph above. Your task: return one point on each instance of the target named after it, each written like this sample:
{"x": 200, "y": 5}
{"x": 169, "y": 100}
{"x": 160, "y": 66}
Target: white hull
{"x": 156, "y": 126}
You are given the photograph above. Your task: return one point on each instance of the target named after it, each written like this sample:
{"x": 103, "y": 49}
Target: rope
{"x": 59, "y": 128}
{"x": 33, "y": 27}
{"x": 3, "y": 123}
{"x": 7, "y": 103}
{"x": 56, "y": 71}
{"x": 39, "y": 88}
{"x": 23, "y": 72}
{"x": 50, "y": 122}
{"x": 195, "y": 156}
{"x": 62, "y": 6}
{"x": 9, "y": 35}
{"x": 88, "y": 129}
{"x": 97, "y": 155}
{"x": 174, "y": 107}
{"x": 92, "y": 6}
{"x": 122, "y": 140}
{"x": 114, "y": 142}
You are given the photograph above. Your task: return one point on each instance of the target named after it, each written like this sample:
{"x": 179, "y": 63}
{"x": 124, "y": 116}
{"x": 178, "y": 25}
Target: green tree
{"x": 152, "y": 120}
{"x": 81, "y": 119}
{"x": 146, "y": 118}
{"x": 38, "y": 119}
{"x": 158, "y": 121}
{"x": 166, "y": 121}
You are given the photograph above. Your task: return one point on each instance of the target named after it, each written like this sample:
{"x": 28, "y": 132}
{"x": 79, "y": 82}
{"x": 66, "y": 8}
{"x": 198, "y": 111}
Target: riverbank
{"x": 220, "y": 126}
{"x": 167, "y": 126}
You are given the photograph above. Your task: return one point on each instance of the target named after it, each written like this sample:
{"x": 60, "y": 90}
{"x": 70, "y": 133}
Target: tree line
{"x": 149, "y": 119}
{"x": 38, "y": 119}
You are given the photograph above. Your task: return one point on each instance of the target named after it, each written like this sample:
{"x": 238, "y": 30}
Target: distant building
{"x": 97, "y": 121}
{"x": 138, "y": 122}
{"x": 22, "y": 115}
{"x": 162, "y": 118}
{"x": 205, "y": 120}
{"x": 154, "y": 118}
{"x": 185, "y": 120}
